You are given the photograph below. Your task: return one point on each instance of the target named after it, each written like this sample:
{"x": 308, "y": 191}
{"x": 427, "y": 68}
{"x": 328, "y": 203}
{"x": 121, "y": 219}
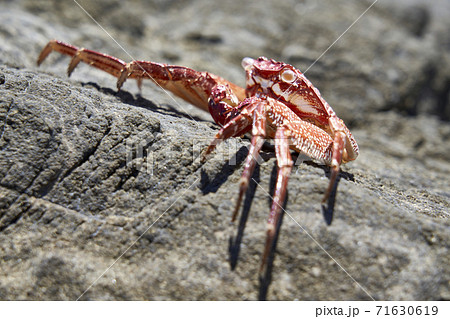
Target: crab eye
{"x": 247, "y": 62}
{"x": 288, "y": 76}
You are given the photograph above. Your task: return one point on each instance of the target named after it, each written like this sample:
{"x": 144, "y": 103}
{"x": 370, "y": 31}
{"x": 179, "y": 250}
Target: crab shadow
{"x": 208, "y": 185}
{"x": 139, "y": 101}
{"x": 328, "y": 206}
{"x": 235, "y": 241}
{"x": 265, "y": 277}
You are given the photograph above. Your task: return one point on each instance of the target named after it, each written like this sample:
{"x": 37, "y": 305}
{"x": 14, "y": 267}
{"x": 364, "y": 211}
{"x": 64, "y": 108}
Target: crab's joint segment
{"x": 233, "y": 128}
{"x": 259, "y": 132}
{"x": 76, "y": 59}
{"x": 336, "y": 160}
{"x": 59, "y": 46}
{"x": 285, "y": 164}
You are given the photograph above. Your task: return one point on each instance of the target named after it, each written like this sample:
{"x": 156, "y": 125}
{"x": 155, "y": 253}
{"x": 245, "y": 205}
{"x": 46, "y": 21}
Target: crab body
{"x": 278, "y": 103}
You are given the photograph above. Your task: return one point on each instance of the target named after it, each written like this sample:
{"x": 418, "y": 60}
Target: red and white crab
{"x": 278, "y": 103}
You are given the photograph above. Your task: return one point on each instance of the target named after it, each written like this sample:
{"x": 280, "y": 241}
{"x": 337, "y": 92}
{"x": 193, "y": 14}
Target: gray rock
{"x": 102, "y": 195}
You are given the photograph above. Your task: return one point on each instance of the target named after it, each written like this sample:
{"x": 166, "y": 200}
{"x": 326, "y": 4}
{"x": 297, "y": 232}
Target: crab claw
{"x": 222, "y": 104}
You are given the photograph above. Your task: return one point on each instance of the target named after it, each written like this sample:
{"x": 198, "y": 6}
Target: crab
{"x": 278, "y": 103}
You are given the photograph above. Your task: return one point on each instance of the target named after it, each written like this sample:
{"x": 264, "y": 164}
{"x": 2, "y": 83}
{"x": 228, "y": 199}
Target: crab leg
{"x": 285, "y": 164}
{"x": 336, "y": 160}
{"x": 193, "y": 86}
{"x": 99, "y": 60}
{"x": 237, "y": 126}
{"x": 344, "y": 146}
{"x": 258, "y": 135}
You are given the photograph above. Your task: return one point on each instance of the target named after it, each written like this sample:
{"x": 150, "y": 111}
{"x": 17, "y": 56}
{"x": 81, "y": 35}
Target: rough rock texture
{"x": 88, "y": 175}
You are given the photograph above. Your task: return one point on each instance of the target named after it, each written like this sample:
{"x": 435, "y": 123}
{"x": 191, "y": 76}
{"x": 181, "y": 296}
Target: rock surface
{"x": 101, "y": 197}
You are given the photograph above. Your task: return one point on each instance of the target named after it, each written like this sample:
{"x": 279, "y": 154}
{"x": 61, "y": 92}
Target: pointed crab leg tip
{"x": 119, "y": 84}
{"x": 242, "y": 189}
{"x": 204, "y": 157}
{"x": 261, "y": 271}
{"x": 328, "y": 192}
{"x": 270, "y": 236}
{"x": 139, "y": 84}
{"x": 235, "y": 213}
{"x": 262, "y": 268}
{"x": 327, "y": 213}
